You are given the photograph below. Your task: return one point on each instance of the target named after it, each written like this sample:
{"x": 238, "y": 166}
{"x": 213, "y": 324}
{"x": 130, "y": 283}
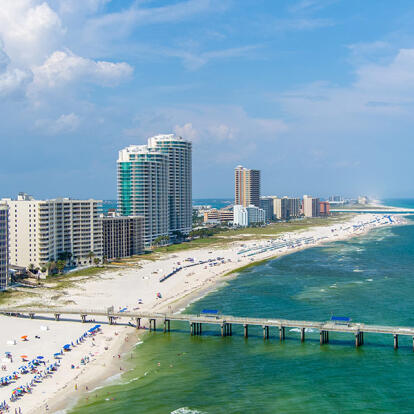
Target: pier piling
{"x": 265, "y": 332}
{"x": 395, "y": 341}
{"x": 246, "y": 332}
{"x": 302, "y": 334}
{"x": 281, "y": 333}
{"x": 166, "y": 325}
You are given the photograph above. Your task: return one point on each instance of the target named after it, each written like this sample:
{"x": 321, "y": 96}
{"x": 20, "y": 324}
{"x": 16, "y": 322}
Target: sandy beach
{"x": 136, "y": 287}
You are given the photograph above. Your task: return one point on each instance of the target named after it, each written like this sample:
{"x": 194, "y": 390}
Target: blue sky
{"x": 318, "y": 94}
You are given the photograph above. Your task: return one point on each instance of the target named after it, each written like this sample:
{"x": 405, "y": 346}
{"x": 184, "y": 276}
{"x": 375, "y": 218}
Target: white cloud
{"x": 137, "y": 15}
{"x": 186, "y": 131}
{"x": 29, "y": 30}
{"x": 80, "y": 6}
{"x": 64, "y": 124}
{"x": 12, "y": 81}
{"x": 33, "y": 55}
{"x": 65, "y": 67}
{"x": 222, "y": 131}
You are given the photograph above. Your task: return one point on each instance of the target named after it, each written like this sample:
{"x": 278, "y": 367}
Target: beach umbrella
{"x": 40, "y": 357}
{"x": 23, "y": 356}
{"x": 23, "y": 337}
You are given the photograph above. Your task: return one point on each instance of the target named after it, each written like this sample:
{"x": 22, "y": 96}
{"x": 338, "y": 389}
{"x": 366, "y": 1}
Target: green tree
{"x": 61, "y": 265}
{"x": 97, "y": 260}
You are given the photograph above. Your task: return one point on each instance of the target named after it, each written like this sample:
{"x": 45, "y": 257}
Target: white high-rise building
{"x": 155, "y": 181}
{"x": 246, "y": 216}
{"x": 179, "y": 180}
{"x": 311, "y": 206}
{"x": 4, "y": 246}
{"x": 41, "y": 231}
{"x": 143, "y": 188}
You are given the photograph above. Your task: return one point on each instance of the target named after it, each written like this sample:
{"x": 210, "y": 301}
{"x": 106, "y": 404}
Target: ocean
{"x": 369, "y": 279}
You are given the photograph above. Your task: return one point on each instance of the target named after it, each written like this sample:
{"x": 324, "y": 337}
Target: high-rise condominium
{"x": 285, "y": 208}
{"x": 155, "y": 181}
{"x": 246, "y": 187}
{"x": 311, "y": 206}
{"x": 41, "y": 231}
{"x": 4, "y": 246}
{"x": 143, "y": 188}
{"x": 179, "y": 180}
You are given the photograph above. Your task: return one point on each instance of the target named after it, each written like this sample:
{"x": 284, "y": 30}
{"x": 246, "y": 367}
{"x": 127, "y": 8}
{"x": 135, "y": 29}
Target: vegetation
{"x": 161, "y": 240}
{"x": 222, "y": 236}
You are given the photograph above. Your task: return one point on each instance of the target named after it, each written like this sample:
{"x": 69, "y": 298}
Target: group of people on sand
{"x": 39, "y": 374}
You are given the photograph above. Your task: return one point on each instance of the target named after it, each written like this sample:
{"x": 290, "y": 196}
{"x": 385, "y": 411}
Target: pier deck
{"x": 225, "y": 322}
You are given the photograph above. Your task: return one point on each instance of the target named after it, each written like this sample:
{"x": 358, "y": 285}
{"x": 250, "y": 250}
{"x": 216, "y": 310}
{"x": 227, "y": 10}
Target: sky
{"x": 317, "y": 94}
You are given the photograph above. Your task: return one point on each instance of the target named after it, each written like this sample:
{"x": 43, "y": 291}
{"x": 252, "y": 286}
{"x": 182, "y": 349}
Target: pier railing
{"x": 224, "y": 321}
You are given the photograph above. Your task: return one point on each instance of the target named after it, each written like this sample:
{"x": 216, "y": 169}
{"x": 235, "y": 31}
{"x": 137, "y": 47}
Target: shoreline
{"x": 66, "y": 397}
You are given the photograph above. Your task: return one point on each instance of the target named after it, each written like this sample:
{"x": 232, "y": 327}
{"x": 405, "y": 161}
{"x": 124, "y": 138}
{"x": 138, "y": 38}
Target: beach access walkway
{"x": 224, "y": 322}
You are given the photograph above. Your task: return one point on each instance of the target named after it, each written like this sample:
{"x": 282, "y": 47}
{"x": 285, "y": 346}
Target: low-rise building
{"x": 211, "y": 216}
{"x": 4, "y": 246}
{"x": 247, "y": 216}
{"x": 123, "y": 236}
{"x": 324, "y": 208}
{"x": 42, "y": 231}
{"x": 310, "y": 206}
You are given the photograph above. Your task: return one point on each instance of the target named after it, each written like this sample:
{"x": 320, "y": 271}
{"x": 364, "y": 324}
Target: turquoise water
{"x": 370, "y": 279}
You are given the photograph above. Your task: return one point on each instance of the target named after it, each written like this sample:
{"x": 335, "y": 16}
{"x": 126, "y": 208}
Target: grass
{"x": 249, "y": 233}
{"x": 68, "y": 280}
{"x": 253, "y": 264}
{"x": 9, "y": 295}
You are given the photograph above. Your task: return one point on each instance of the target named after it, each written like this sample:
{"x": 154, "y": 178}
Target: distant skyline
{"x": 317, "y": 94}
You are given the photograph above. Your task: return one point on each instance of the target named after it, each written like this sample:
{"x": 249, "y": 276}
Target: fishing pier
{"x": 225, "y": 323}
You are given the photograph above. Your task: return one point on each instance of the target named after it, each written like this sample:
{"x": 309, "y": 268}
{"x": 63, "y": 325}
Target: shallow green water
{"x": 370, "y": 279}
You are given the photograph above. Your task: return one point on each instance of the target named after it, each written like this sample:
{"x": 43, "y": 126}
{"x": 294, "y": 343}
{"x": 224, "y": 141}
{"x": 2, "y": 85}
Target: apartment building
{"x": 4, "y": 246}
{"x": 123, "y": 236}
{"x": 311, "y": 207}
{"x": 247, "y": 216}
{"x": 324, "y": 208}
{"x": 285, "y": 208}
{"x": 179, "y": 153}
{"x": 41, "y": 231}
{"x": 246, "y": 187}
{"x": 266, "y": 203}
{"x": 143, "y": 188}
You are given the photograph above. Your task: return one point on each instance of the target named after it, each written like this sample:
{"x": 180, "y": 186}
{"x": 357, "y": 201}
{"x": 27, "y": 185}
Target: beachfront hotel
{"x": 4, "y": 246}
{"x": 41, "y": 230}
{"x": 123, "y": 236}
{"x": 155, "y": 182}
{"x": 179, "y": 153}
{"x": 246, "y": 187}
{"x": 311, "y": 207}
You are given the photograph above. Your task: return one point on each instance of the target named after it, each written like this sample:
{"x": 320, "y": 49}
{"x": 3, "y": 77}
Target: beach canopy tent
{"x": 339, "y": 319}
{"x": 67, "y": 346}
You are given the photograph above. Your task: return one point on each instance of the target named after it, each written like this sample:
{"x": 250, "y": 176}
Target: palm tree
{"x": 97, "y": 260}
{"x": 90, "y": 256}
{"x": 51, "y": 266}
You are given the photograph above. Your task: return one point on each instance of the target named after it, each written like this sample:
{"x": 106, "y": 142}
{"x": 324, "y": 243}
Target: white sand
{"x": 123, "y": 288}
